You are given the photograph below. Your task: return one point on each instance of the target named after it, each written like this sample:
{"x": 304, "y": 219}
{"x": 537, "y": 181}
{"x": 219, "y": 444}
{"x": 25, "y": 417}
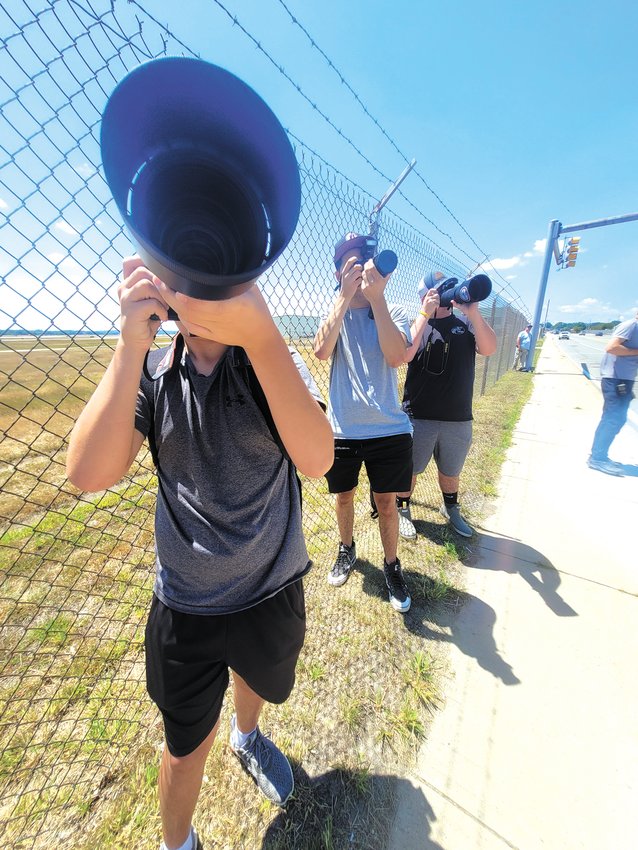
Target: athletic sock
{"x": 189, "y": 844}
{"x": 237, "y": 737}
{"x": 451, "y": 499}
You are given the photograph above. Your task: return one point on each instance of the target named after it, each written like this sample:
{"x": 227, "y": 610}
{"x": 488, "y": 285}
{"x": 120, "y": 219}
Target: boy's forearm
{"x": 416, "y": 332}
{"x": 486, "y": 342}
{"x": 328, "y": 334}
{"x": 391, "y": 339}
{"x": 102, "y": 439}
{"x": 300, "y": 421}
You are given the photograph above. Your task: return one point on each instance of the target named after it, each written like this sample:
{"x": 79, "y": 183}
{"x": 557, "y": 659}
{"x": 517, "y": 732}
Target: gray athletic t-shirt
{"x": 228, "y": 528}
{"x": 364, "y": 399}
{"x": 622, "y": 368}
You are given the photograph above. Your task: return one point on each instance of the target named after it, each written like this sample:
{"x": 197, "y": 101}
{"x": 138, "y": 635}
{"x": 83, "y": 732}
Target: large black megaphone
{"x": 203, "y": 174}
{"x": 468, "y": 291}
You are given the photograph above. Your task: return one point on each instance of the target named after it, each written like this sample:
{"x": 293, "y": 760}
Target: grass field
{"x": 79, "y": 739}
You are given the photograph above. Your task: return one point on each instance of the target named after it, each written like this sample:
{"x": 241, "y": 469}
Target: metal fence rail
{"x": 76, "y": 570}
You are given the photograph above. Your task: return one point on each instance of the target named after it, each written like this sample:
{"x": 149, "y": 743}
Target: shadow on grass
{"x": 437, "y": 621}
{"x": 345, "y": 808}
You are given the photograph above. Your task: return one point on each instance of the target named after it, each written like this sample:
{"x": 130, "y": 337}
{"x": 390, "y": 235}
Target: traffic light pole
{"x": 552, "y": 236}
{"x": 554, "y": 231}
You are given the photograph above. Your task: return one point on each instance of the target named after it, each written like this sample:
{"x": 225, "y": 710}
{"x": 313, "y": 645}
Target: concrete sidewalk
{"x": 536, "y": 742}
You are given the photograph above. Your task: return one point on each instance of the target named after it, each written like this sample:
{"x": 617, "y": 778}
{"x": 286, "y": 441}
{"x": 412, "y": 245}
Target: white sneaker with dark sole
{"x": 398, "y": 593}
{"x": 406, "y": 526}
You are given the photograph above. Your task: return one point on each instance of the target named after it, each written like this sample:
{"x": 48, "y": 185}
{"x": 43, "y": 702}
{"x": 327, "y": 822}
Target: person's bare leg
{"x": 344, "y": 505}
{"x": 248, "y": 705}
{"x": 388, "y": 524}
{"x": 449, "y": 483}
{"x": 180, "y": 780}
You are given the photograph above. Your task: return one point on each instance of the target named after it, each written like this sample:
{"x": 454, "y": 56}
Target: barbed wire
{"x": 358, "y": 186}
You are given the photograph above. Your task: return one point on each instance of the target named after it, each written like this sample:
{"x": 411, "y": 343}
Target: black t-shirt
{"x": 440, "y": 379}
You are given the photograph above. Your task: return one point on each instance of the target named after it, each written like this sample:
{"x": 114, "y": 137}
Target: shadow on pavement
{"x": 441, "y": 621}
{"x": 346, "y": 808}
{"x": 511, "y": 556}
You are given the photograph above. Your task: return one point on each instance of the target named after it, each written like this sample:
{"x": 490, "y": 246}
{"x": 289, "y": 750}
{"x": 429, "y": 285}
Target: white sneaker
{"x": 406, "y": 526}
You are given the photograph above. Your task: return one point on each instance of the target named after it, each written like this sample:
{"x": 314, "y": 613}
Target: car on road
{"x": 598, "y": 333}
{"x": 563, "y": 335}
{"x": 582, "y": 333}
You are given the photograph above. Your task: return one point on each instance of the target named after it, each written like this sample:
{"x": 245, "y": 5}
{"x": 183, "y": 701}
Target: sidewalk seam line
{"x": 461, "y": 808}
{"x": 553, "y": 569}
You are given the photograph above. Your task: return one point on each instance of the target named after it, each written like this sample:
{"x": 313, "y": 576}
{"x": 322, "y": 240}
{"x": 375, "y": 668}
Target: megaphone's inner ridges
{"x": 269, "y": 232}
{"x": 200, "y": 214}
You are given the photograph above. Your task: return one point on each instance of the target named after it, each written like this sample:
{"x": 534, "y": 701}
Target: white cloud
{"x": 3, "y": 204}
{"x": 503, "y": 263}
{"x": 590, "y": 308}
{"x": 511, "y": 276}
{"x": 85, "y": 169}
{"x": 65, "y": 227}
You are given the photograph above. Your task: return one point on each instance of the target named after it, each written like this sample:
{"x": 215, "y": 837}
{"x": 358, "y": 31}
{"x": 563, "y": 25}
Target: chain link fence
{"x": 76, "y": 569}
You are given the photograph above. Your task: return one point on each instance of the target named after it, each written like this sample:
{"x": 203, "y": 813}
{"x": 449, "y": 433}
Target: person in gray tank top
{"x": 230, "y": 414}
{"x": 366, "y": 340}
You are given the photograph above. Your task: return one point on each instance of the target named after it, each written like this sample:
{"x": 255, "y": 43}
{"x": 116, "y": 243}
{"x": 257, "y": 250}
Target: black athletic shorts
{"x": 388, "y": 463}
{"x": 188, "y": 657}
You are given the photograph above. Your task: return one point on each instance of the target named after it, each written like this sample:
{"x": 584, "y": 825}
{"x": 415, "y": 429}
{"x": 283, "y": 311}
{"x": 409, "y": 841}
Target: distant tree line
{"x": 577, "y": 327}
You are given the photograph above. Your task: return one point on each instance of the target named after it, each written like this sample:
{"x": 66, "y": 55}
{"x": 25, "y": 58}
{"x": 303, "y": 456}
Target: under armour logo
{"x": 241, "y": 399}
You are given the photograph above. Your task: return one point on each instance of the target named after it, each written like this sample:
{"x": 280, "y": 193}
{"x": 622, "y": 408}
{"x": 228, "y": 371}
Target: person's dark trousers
{"x": 617, "y": 397}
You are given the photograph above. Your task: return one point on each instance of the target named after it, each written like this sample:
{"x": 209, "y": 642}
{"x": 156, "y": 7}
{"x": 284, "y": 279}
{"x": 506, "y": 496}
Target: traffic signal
{"x": 570, "y": 252}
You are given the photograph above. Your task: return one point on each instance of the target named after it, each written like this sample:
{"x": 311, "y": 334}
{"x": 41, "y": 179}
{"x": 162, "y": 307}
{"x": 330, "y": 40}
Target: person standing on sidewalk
{"x": 618, "y": 370}
{"x": 367, "y": 340}
{"x": 439, "y": 389}
{"x": 523, "y": 343}
{"x": 230, "y": 552}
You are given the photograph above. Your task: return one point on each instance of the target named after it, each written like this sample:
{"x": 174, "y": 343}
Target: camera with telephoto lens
{"x": 385, "y": 261}
{"x": 475, "y": 288}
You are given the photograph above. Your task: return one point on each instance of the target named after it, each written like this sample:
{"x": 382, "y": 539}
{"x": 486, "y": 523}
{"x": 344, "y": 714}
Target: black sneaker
{"x": 397, "y": 588}
{"x": 342, "y": 566}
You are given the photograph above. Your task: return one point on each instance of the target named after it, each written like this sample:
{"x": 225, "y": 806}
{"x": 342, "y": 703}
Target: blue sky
{"x": 517, "y": 113}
